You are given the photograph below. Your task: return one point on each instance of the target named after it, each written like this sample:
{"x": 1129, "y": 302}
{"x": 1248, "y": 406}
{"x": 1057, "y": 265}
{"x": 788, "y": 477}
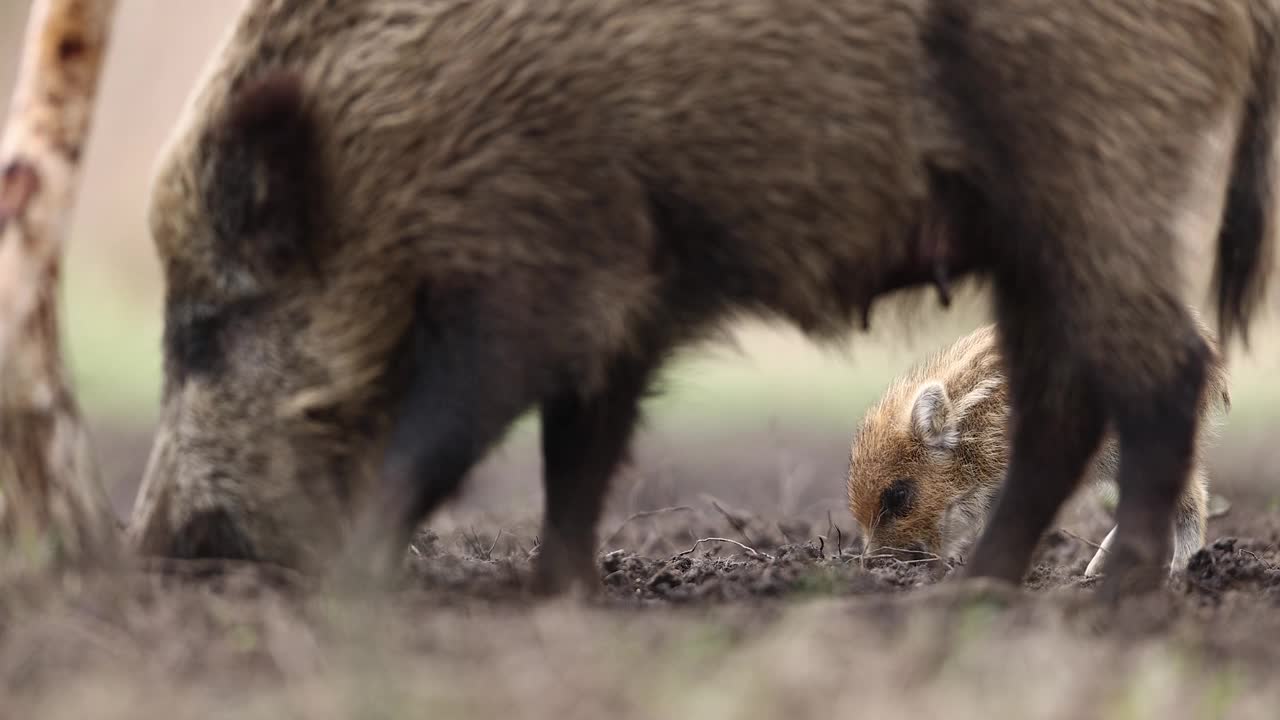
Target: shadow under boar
{"x": 928, "y": 457}
{"x": 390, "y": 227}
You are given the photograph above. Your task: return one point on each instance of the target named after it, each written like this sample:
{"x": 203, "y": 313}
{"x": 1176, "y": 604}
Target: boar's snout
{"x": 162, "y": 526}
{"x": 218, "y": 486}
{"x": 210, "y": 534}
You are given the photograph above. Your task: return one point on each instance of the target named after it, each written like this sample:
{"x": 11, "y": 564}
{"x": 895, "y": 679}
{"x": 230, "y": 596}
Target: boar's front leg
{"x": 584, "y": 440}
{"x": 469, "y": 377}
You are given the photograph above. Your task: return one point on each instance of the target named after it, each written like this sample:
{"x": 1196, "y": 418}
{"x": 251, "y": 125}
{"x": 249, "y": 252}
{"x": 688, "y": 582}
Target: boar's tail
{"x": 1246, "y": 239}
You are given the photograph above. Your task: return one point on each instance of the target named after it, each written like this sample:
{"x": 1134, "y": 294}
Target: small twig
{"x": 488, "y": 554}
{"x": 840, "y": 541}
{"x": 928, "y": 556}
{"x": 926, "y": 553}
{"x": 737, "y": 524}
{"x": 886, "y": 556}
{"x": 785, "y": 535}
{"x": 1254, "y": 555}
{"x": 641, "y": 515}
{"x": 1090, "y": 543}
{"x": 748, "y": 548}
{"x": 471, "y": 542}
{"x": 917, "y": 561}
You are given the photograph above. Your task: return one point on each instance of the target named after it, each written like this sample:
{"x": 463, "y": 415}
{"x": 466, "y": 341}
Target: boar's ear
{"x": 260, "y": 193}
{"x": 932, "y": 419}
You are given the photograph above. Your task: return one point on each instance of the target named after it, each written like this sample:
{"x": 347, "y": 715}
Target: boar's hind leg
{"x": 1156, "y": 425}
{"x": 584, "y": 440}
{"x": 1085, "y": 165}
{"x": 1083, "y": 348}
{"x": 1056, "y": 423}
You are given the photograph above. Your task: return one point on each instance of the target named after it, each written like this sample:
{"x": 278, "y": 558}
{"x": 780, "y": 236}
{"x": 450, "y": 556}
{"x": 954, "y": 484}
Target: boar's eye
{"x": 194, "y": 341}
{"x": 896, "y": 499}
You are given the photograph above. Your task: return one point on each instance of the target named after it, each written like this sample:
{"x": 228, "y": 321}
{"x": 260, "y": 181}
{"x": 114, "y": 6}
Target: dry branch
{"x": 928, "y": 556}
{"x": 702, "y": 541}
{"x": 735, "y": 520}
{"x": 640, "y": 515}
{"x": 50, "y": 494}
{"x": 1082, "y": 540}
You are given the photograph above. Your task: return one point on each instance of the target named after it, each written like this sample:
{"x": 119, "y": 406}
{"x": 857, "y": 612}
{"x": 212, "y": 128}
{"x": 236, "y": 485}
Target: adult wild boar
{"x": 389, "y": 227}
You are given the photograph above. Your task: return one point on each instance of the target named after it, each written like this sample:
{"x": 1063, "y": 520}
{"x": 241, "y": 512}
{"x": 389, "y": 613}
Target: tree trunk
{"x": 52, "y": 505}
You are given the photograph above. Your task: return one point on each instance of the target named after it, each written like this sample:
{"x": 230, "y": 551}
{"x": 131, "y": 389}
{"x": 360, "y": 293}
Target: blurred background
{"x": 766, "y": 424}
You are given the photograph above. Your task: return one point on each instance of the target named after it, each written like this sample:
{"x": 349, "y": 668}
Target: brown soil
{"x": 782, "y": 615}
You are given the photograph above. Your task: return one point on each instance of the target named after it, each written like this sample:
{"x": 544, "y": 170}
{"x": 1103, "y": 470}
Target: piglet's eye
{"x": 896, "y": 499}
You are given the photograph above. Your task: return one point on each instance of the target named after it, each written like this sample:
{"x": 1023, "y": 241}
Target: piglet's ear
{"x": 262, "y": 188}
{"x": 932, "y": 419}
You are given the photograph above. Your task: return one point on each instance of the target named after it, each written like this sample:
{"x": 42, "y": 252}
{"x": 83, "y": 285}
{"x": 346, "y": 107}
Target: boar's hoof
{"x": 556, "y": 575}
{"x": 1129, "y": 576}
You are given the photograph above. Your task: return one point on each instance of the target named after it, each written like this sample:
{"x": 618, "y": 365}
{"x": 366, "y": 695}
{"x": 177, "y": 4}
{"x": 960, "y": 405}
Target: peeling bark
{"x": 51, "y": 498}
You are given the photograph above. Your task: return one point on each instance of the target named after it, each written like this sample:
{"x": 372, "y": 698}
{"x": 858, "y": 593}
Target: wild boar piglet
{"x": 929, "y": 456}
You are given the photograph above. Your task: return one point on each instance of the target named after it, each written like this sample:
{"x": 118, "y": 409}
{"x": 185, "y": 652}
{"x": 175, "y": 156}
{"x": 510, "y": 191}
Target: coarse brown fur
{"x": 928, "y": 457}
{"x": 389, "y": 227}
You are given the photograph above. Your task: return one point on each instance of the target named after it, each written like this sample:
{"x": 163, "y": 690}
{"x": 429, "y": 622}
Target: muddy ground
{"x": 780, "y": 617}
